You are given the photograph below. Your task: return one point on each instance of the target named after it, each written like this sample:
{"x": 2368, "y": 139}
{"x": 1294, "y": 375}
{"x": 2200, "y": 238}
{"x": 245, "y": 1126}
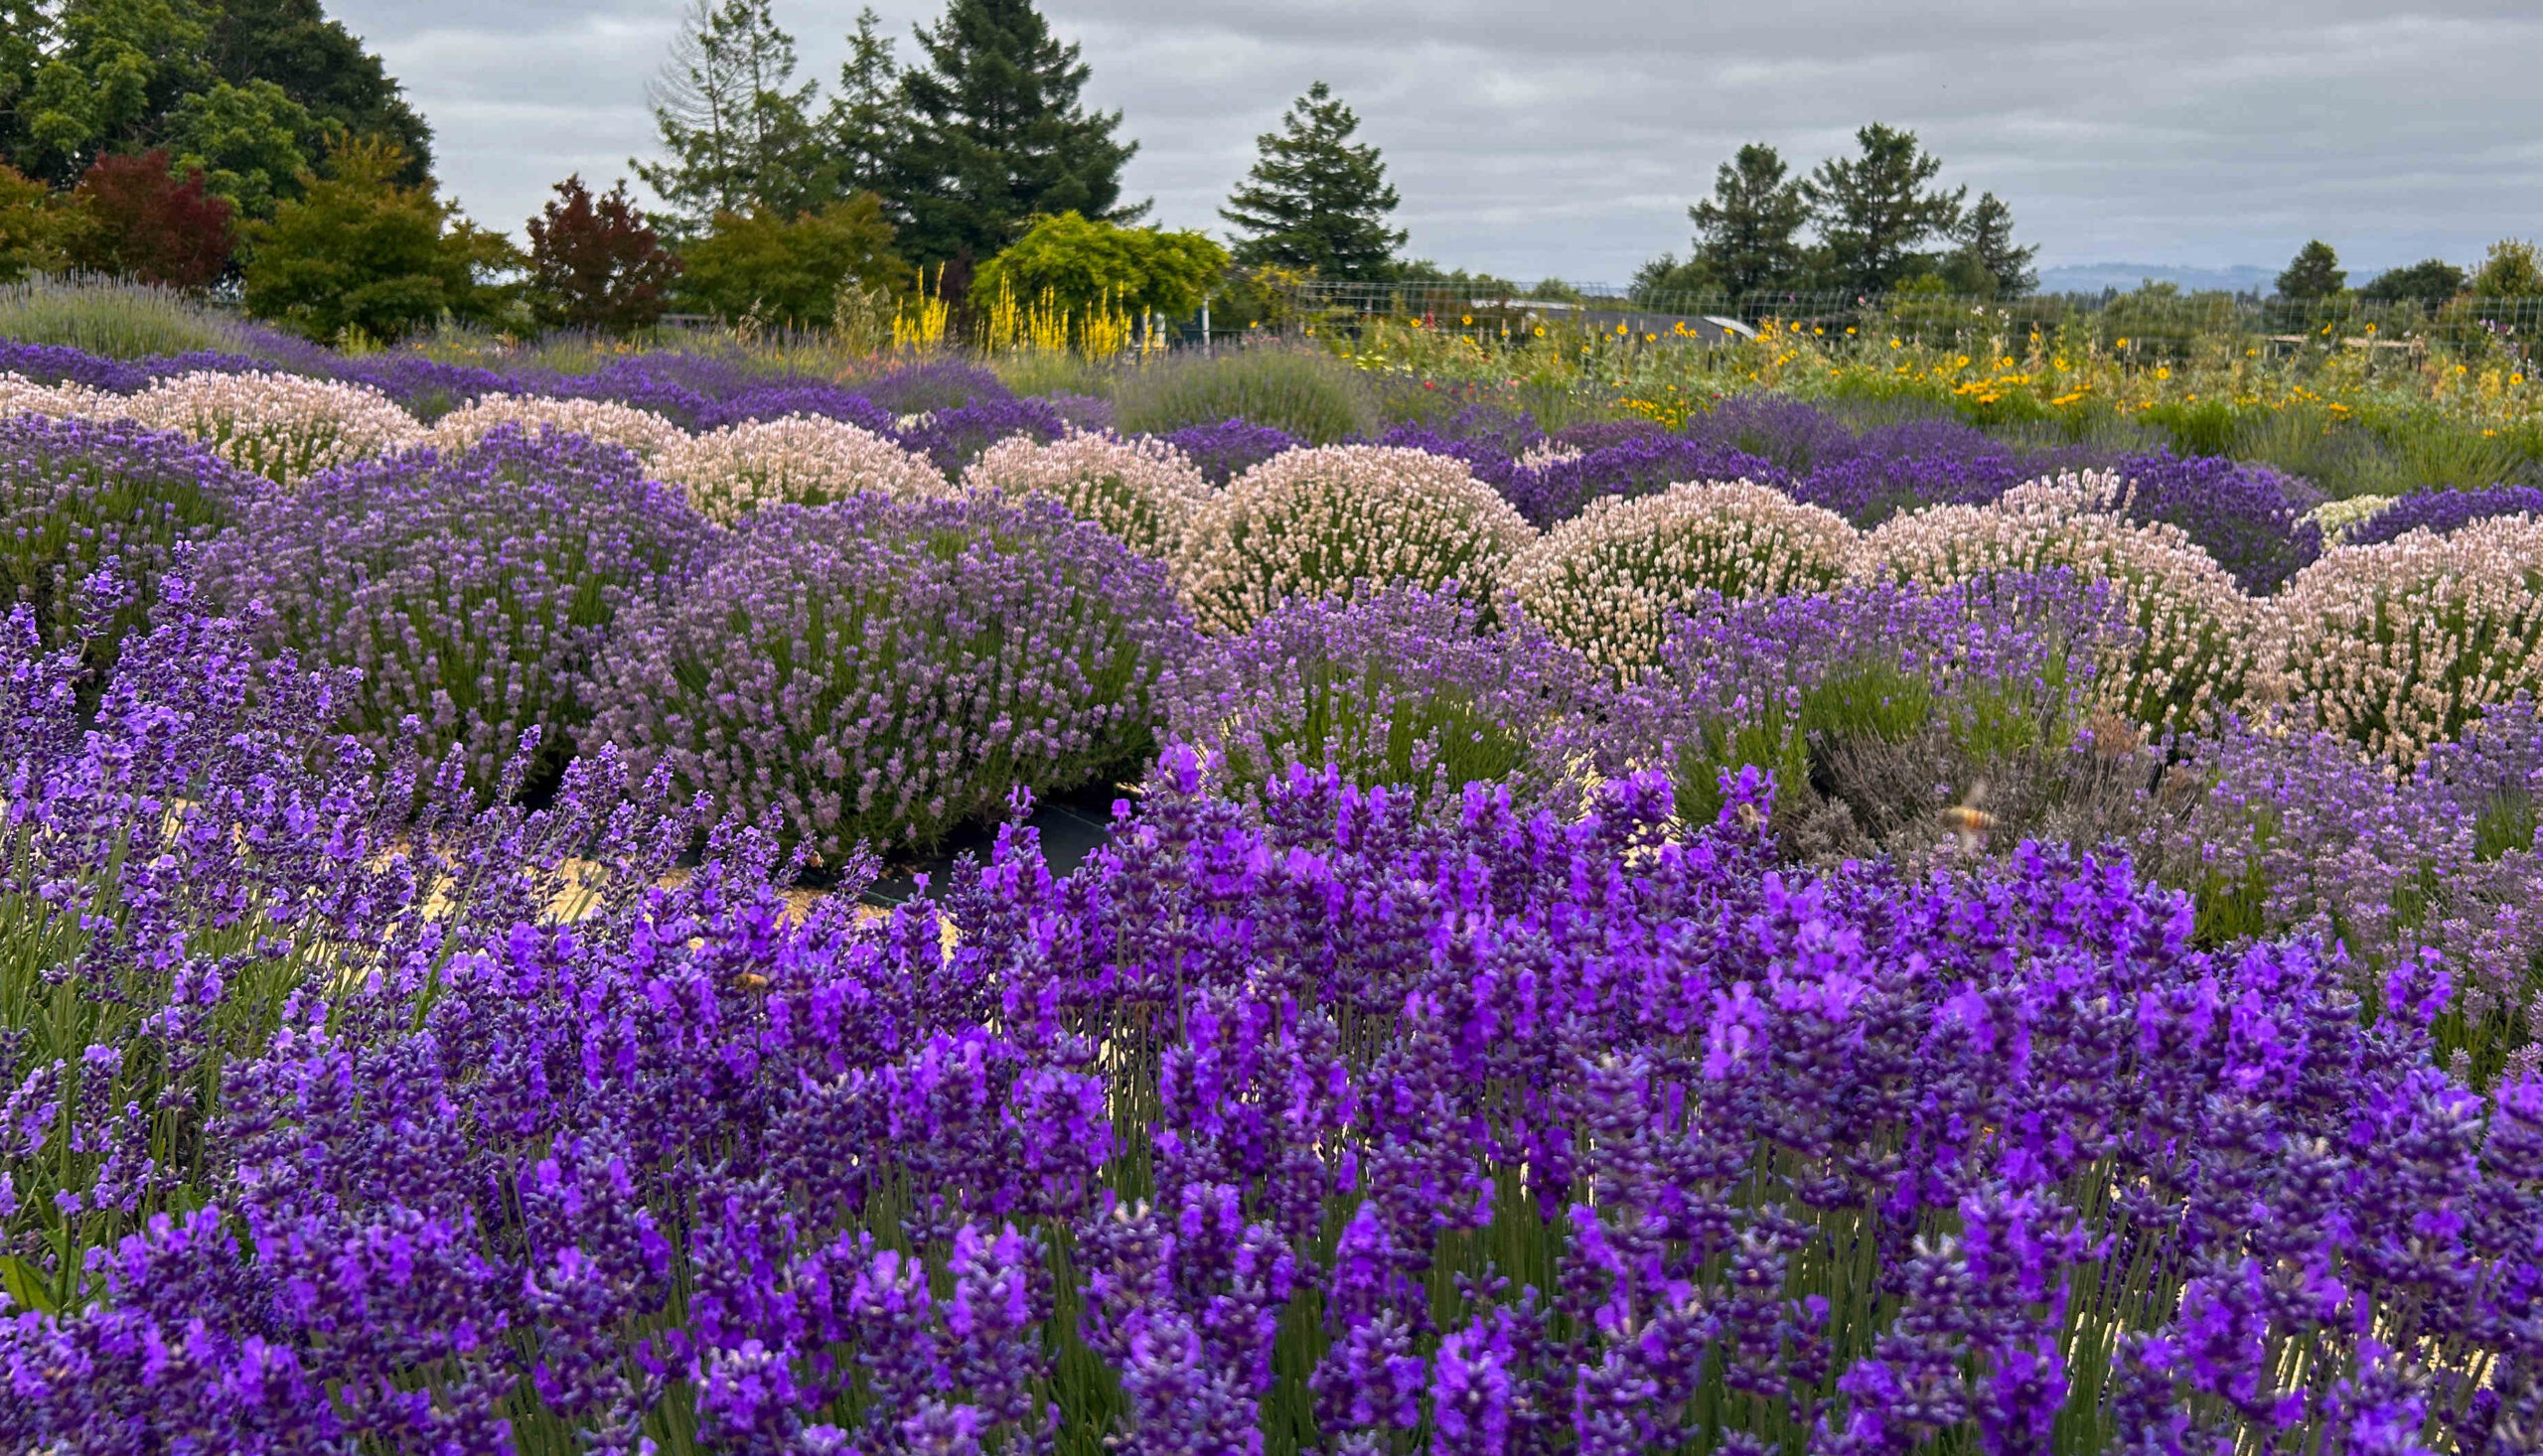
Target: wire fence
{"x": 2153, "y": 317}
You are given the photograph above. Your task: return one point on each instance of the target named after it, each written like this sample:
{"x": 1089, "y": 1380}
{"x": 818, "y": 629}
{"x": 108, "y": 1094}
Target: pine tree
{"x": 738, "y": 130}
{"x": 997, "y": 135}
{"x": 1988, "y": 262}
{"x": 2314, "y": 273}
{"x": 1747, "y": 234}
{"x": 1313, "y": 200}
{"x": 1876, "y": 212}
{"x": 865, "y": 129}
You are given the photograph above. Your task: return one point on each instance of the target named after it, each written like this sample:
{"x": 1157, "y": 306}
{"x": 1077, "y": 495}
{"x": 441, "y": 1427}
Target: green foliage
{"x": 596, "y": 263}
{"x": 1315, "y": 202}
{"x": 34, "y": 227}
{"x": 2431, "y": 283}
{"x": 109, "y": 69}
{"x": 1987, "y": 263}
{"x": 1664, "y": 281}
{"x": 1878, "y": 210}
{"x": 2511, "y": 269}
{"x": 358, "y": 250}
{"x": 738, "y": 130}
{"x": 1747, "y": 234}
{"x": 1084, "y": 264}
{"x": 215, "y": 81}
{"x": 247, "y": 141}
{"x": 782, "y": 271}
{"x": 118, "y": 319}
{"x": 1307, "y": 392}
{"x": 2314, "y": 274}
{"x": 322, "y": 69}
{"x": 865, "y": 127}
{"x": 997, "y": 135}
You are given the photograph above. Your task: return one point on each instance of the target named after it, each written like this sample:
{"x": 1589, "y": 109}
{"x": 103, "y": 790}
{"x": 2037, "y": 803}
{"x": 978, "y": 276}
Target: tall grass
{"x": 1307, "y": 392}
{"x": 113, "y": 318}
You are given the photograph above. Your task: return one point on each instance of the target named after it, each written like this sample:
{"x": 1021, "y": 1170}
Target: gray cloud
{"x": 1535, "y": 139}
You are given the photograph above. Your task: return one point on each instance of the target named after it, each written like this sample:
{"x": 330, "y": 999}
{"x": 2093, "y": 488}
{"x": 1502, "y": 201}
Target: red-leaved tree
{"x": 595, "y": 262}
{"x": 138, "y": 220}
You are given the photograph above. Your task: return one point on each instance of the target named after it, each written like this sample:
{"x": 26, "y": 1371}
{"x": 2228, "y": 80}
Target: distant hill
{"x": 2094, "y": 277}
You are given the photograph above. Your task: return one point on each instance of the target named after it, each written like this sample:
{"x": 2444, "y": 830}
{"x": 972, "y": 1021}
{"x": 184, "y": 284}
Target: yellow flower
{"x": 1541, "y": 331}
{"x": 2122, "y": 344}
{"x": 2162, "y": 374}
{"x": 1894, "y": 343}
{"x": 1850, "y": 329}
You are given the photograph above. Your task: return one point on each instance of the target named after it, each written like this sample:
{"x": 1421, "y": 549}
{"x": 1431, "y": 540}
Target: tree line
{"x": 256, "y": 145}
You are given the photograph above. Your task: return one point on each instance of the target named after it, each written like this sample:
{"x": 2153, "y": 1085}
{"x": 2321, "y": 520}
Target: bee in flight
{"x": 1967, "y": 820}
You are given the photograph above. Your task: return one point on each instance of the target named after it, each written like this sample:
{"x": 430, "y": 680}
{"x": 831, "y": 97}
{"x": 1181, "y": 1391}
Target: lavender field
{"x": 1781, "y": 934}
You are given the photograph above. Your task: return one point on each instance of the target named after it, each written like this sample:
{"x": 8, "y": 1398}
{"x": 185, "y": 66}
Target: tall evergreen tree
{"x": 1878, "y": 210}
{"x": 738, "y": 129}
{"x": 1749, "y": 232}
{"x": 1314, "y": 201}
{"x": 1987, "y": 261}
{"x": 997, "y": 135}
{"x": 865, "y": 127}
{"x": 2314, "y": 273}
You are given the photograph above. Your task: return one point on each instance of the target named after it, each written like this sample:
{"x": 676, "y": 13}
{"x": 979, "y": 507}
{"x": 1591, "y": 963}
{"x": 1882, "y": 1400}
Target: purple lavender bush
{"x": 878, "y": 671}
{"x": 923, "y": 389}
{"x": 2443, "y": 510}
{"x": 2284, "y": 833}
{"x": 1401, "y": 687}
{"x": 1972, "y": 674}
{"x": 1557, "y": 487}
{"x": 2250, "y": 518}
{"x": 80, "y": 498}
{"x": 60, "y": 364}
{"x": 953, "y": 438}
{"x": 777, "y": 401}
{"x": 1321, "y": 1121}
{"x": 471, "y": 589}
{"x": 1230, "y": 448}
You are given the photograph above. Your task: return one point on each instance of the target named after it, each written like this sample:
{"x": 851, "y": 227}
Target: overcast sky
{"x": 1534, "y": 139}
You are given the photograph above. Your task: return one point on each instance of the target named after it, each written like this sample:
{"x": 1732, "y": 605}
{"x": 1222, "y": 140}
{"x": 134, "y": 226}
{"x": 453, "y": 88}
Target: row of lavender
{"x": 787, "y": 639}
{"x": 1326, "y": 1121}
{"x": 1545, "y": 1099}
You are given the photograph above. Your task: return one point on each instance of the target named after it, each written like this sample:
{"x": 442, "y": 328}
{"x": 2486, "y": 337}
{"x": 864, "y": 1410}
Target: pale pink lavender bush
{"x": 607, "y": 421}
{"x": 471, "y": 589}
{"x": 1337, "y": 519}
{"x": 1607, "y": 582}
{"x": 800, "y": 460}
{"x": 280, "y": 426}
{"x": 879, "y": 671}
{"x": 1141, "y": 492}
{"x": 2198, "y": 638}
{"x": 2398, "y": 644}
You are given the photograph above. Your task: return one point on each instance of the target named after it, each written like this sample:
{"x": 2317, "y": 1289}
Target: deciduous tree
{"x": 596, "y": 263}
{"x": 358, "y": 250}
{"x": 134, "y": 219}
{"x": 787, "y": 270}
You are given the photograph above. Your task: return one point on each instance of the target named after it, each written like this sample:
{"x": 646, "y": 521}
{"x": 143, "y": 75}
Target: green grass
{"x": 1307, "y": 392}
{"x": 115, "y": 319}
